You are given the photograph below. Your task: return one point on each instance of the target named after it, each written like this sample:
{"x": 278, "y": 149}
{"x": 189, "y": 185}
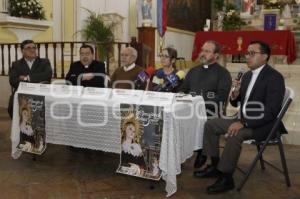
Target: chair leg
{"x": 258, "y": 156}
{"x": 261, "y": 160}
{"x": 283, "y": 162}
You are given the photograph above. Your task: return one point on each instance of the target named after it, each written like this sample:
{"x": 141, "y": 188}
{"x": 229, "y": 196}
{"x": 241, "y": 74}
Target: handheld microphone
{"x": 160, "y": 74}
{"x": 172, "y": 81}
{"x": 143, "y": 76}
{"x": 239, "y": 75}
{"x": 238, "y": 78}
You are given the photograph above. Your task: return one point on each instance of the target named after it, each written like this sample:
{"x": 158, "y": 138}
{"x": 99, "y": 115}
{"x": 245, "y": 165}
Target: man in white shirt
{"x": 259, "y": 94}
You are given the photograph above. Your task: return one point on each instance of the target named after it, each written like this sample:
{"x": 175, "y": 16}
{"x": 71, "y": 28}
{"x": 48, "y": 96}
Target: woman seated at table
{"x": 166, "y": 79}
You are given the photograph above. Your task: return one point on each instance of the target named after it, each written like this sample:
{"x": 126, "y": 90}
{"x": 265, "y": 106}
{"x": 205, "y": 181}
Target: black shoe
{"x": 200, "y": 160}
{"x": 222, "y": 185}
{"x": 208, "y": 172}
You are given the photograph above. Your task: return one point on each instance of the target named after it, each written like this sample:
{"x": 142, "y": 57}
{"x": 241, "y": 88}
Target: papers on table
{"x": 107, "y": 94}
{"x": 96, "y": 93}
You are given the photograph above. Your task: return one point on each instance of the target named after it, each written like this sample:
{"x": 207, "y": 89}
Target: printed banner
{"x": 32, "y": 123}
{"x": 141, "y": 133}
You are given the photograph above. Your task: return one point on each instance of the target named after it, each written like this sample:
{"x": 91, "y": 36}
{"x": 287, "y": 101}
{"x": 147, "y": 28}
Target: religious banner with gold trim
{"x": 141, "y": 134}
{"x": 32, "y": 123}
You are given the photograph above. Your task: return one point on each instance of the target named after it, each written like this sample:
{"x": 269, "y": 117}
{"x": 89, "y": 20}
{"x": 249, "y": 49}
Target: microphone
{"x": 160, "y": 74}
{"x": 238, "y": 78}
{"x": 172, "y": 81}
{"x": 143, "y": 76}
{"x": 239, "y": 75}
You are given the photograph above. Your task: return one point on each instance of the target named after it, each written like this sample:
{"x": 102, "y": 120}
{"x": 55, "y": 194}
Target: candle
{"x": 208, "y": 23}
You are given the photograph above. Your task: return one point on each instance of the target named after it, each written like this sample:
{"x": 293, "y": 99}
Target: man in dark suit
{"x": 259, "y": 94}
{"x": 87, "y": 72}
{"x": 30, "y": 68}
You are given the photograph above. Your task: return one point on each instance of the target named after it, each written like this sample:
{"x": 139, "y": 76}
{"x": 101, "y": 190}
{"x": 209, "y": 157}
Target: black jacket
{"x": 40, "y": 71}
{"x": 96, "y": 67}
{"x": 267, "y": 92}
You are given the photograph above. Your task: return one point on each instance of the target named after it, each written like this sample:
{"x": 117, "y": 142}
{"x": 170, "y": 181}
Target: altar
{"x": 236, "y": 42}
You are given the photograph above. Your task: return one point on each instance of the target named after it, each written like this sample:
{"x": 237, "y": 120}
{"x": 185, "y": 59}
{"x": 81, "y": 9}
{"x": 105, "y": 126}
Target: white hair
{"x": 133, "y": 52}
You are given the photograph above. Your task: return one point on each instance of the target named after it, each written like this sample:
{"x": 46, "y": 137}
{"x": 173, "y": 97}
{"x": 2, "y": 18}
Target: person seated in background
{"x": 210, "y": 80}
{"x": 166, "y": 78}
{"x": 124, "y": 76}
{"x": 87, "y": 72}
{"x": 259, "y": 94}
{"x": 30, "y": 68}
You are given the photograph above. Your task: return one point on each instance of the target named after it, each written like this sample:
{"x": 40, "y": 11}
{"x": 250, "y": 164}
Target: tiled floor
{"x": 63, "y": 172}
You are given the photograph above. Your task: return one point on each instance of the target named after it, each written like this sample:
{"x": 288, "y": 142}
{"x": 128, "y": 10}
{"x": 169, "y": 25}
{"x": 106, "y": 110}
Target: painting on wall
{"x": 188, "y": 15}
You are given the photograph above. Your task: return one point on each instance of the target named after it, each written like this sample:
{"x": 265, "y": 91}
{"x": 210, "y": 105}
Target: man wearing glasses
{"x": 259, "y": 94}
{"x": 87, "y": 71}
{"x": 30, "y": 68}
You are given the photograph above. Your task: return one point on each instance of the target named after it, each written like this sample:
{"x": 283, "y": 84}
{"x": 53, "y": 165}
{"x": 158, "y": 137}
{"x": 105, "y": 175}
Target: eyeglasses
{"x": 252, "y": 53}
{"x": 30, "y": 48}
{"x": 164, "y": 56}
{"x": 206, "y": 51}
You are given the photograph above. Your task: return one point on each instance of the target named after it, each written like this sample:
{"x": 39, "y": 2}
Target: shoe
{"x": 223, "y": 184}
{"x": 208, "y": 172}
{"x": 200, "y": 160}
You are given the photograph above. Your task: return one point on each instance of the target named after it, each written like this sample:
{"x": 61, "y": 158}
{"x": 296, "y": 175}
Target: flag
{"x": 162, "y": 17}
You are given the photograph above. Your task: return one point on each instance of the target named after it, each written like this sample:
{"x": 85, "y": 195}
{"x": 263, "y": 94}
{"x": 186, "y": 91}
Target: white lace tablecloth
{"x": 182, "y": 130}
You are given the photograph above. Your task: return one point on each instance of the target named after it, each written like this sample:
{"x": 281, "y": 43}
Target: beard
{"x": 205, "y": 61}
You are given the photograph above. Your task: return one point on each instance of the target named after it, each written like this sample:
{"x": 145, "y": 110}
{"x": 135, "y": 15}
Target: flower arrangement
{"x": 232, "y": 20}
{"x": 273, "y": 4}
{"x": 26, "y": 8}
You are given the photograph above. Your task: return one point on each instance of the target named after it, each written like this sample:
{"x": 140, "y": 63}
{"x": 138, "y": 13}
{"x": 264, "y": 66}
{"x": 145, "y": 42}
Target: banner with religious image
{"x": 32, "y": 123}
{"x": 141, "y": 134}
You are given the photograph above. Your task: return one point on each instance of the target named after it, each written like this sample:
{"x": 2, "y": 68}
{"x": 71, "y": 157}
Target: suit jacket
{"x": 264, "y": 102}
{"x": 40, "y": 71}
{"x": 77, "y": 68}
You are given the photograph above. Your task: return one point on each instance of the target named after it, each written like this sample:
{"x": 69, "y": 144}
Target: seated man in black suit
{"x": 30, "y": 68}
{"x": 259, "y": 94}
{"x": 87, "y": 72}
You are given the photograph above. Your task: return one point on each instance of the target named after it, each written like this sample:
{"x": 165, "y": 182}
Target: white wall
{"x": 182, "y": 41}
{"x": 106, "y": 6}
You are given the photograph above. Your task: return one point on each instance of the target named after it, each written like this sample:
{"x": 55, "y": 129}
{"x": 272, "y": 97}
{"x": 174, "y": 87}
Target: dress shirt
{"x": 254, "y": 76}
{"x": 128, "y": 68}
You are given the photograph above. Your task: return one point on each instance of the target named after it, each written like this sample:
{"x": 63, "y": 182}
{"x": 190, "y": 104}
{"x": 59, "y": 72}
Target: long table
{"x": 181, "y": 134}
{"x": 282, "y": 42}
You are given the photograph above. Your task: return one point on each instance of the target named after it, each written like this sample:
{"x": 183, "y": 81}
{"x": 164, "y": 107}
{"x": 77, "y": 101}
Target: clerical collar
{"x": 128, "y": 68}
{"x": 205, "y": 66}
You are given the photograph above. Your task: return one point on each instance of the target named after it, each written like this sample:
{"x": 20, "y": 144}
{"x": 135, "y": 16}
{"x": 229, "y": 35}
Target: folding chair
{"x": 274, "y": 138}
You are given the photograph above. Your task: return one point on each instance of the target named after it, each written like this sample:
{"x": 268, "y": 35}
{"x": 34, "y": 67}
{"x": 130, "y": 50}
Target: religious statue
{"x": 146, "y": 8}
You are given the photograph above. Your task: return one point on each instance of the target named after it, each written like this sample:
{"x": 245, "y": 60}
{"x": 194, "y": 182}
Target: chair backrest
{"x": 288, "y": 98}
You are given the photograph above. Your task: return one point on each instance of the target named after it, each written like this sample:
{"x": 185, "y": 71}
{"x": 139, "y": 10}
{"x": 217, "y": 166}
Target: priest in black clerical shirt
{"x": 87, "y": 72}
